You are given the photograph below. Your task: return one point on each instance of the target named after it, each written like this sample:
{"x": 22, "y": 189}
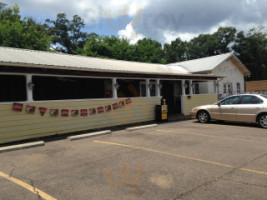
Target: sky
{"x": 161, "y": 20}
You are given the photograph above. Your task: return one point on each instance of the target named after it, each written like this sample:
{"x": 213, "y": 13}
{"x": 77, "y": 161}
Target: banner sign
{"x": 74, "y": 113}
{"x": 17, "y": 107}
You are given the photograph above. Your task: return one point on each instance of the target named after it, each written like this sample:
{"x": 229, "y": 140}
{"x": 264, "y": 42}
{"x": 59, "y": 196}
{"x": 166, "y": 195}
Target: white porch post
{"x": 114, "y": 89}
{"x": 183, "y": 87}
{"x": 147, "y": 88}
{"x": 29, "y": 87}
{"x": 157, "y": 88}
{"x": 190, "y": 87}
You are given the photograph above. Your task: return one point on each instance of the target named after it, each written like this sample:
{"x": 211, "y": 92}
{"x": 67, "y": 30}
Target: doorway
{"x": 172, "y": 91}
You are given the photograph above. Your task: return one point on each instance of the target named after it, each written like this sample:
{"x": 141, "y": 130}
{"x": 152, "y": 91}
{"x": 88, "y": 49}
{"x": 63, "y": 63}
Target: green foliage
{"x": 176, "y": 51}
{"x": 25, "y": 33}
{"x": 148, "y": 50}
{"x": 251, "y": 48}
{"x": 67, "y": 33}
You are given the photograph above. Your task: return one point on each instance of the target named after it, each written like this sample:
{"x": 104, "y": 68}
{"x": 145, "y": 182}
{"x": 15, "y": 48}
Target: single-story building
{"x": 256, "y": 87}
{"x": 45, "y": 93}
{"x": 226, "y": 65}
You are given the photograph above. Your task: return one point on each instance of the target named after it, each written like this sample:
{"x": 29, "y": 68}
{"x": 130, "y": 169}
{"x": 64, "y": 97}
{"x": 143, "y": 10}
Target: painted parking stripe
{"x": 181, "y": 156}
{"x": 27, "y": 186}
{"x": 211, "y": 136}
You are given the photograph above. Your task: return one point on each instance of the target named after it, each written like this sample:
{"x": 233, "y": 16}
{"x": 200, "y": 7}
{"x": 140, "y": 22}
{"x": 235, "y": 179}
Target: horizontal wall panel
{"x": 197, "y": 100}
{"x": 22, "y": 125}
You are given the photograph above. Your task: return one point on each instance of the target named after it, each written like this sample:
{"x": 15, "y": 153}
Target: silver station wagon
{"x": 251, "y": 108}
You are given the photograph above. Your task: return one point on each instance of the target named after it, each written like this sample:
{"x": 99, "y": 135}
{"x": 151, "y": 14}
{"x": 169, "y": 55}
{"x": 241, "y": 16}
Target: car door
{"x": 227, "y": 108}
{"x": 248, "y": 108}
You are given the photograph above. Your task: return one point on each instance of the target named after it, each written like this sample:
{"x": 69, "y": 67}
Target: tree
{"x": 25, "y": 33}
{"x": 211, "y": 44}
{"x": 251, "y": 48}
{"x": 176, "y": 51}
{"x": 148, "y": 50}
{"x": 67, "y": 33}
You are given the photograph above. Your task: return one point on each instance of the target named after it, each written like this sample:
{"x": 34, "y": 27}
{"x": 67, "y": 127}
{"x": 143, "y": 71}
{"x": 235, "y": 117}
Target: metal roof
{"x": 31, "y": 58}
{"x": 209, "y": 63}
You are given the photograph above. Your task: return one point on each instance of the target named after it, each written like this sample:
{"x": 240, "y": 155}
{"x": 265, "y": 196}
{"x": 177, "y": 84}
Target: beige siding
{"x": 21, "y": 125}
{"x": 197, "y": 100}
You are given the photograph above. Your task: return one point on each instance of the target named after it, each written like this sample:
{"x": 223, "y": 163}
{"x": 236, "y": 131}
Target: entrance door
{"x": 171, "y": 91}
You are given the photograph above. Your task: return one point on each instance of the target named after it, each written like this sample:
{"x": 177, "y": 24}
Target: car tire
{"x": 203, "y": 116}
{"x": 262, "y": 120}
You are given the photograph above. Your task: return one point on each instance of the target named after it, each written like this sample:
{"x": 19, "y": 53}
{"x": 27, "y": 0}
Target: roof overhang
{"x": 63, "y": 70}
{"x": 239, "y": 65}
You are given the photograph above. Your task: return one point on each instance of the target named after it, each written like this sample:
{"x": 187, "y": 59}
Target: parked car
{"x": 251, "y": 108}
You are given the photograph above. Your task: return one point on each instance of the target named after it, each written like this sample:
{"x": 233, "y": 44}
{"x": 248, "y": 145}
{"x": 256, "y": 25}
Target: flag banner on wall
{"x": 128, "y": 101}
{"x": 84, "y": 112}
{"x": 92, "y": 111}
{"x": 100, "y": 109}
{"x": 108, "y": 108}
{"x": 64, "y": 113}
{"x": 121, "y": 104}
{"x": 42, "y": 110}
{"x": 74, "y": 113}
{"x": 30, "y": 109}
{"x": 18, "y": 107}
{"x": 115, "y": 106}
{"x": 54, "y": 112}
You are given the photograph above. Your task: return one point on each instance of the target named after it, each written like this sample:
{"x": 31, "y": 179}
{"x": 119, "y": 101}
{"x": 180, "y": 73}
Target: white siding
{"x": 233, "y": 75}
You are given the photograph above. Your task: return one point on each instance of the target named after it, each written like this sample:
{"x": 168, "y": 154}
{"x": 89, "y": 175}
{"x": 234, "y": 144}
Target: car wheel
{"x": 203, "y": 117}
{"x": 262, "y": 120}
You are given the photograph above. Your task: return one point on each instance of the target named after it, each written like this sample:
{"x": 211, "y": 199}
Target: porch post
{"x": 29, "y": 86}
{"x": 157, "y": 88}
{"x": 147, "y": 88}
{"x": 114, "y": 88}
{"x": 190, "y": 87}
{"x": 183, "y": 87}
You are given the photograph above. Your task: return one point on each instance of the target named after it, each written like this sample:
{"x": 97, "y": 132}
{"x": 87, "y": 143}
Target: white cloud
{"x": 170, "y": 36}
{"x": 130, "y": 34}
{"x": 161, "y": 20}
{"x": 90, "y": 10}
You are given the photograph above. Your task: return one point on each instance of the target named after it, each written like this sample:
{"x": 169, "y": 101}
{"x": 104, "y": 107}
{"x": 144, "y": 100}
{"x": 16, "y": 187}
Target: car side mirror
{"x": 219, "y": 104}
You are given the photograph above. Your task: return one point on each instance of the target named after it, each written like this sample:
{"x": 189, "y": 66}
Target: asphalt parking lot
{"x": 178, "y": 160}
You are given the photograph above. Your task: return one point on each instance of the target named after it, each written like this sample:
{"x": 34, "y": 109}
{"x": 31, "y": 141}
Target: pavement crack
{"x": 245, "y": 183}
{"x": 218, "y": 178}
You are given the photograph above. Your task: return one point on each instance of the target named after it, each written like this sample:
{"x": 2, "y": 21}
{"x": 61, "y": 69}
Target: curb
{"x": 21, "y": 146}
{"x": 88, "y": 135}
{"x": 142, "y": 127}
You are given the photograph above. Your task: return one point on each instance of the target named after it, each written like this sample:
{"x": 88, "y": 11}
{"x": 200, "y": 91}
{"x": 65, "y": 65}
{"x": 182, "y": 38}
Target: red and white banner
{"x": 64, "y": 113}
{"x": 54, "y": 112}
{"x": 30, "y": 109}
{"x": 74, "y": 113}
{"x": 84, "y": 112}
{"x": 18, "y": 107}
{"x": 42, "y": 110}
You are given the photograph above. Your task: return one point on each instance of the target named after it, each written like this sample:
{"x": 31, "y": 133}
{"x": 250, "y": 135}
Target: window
{"x": 229, "y": 88}
{"x": 251, "y": 100}
{"x": 224, "y": 88}
{"x": 230, "y": 100}
{"x": 12, "y": 88}
{"x": 129, "y": 88}
{"x": 265, "y": 96}
{"x": 60, "y": 88}
{"x": 238, "y": 88}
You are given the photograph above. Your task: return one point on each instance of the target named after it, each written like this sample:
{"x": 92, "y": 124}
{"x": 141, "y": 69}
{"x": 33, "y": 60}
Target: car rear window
{"x": 264, "y": 95}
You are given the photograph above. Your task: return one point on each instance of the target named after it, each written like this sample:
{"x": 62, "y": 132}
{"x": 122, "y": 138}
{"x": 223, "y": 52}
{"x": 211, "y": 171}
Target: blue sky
{"x": 162, "y": 20}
